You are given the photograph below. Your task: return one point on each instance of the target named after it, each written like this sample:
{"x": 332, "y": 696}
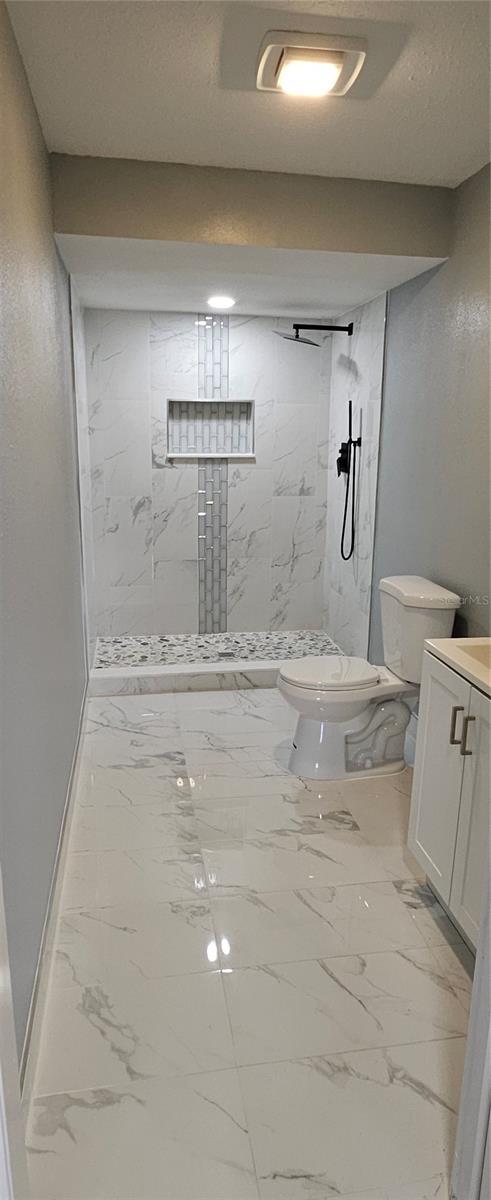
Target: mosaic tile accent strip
{"x": 212, "y": 544}
{"x": 167, "y": 650}
{"x": 213, "y": 382}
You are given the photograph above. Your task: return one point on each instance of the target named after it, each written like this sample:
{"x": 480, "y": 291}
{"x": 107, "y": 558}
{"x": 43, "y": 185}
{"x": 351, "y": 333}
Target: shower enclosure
{"x": 210, "y": 498}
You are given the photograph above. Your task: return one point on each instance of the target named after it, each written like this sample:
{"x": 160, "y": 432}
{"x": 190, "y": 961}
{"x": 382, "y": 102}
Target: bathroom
{"x": 244, "y": 612}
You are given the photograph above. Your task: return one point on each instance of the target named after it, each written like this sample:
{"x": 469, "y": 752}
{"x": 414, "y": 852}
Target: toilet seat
{"x": 330, "y": 673}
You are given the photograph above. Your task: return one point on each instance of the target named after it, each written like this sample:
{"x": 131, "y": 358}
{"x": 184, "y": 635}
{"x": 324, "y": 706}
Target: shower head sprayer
{"x": 295, "y": 337}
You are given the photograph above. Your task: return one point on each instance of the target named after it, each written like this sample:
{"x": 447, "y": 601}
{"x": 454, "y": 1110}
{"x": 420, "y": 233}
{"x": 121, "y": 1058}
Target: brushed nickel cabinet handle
{"x": 453, "y": 740}
{"x": 463, "y": 745}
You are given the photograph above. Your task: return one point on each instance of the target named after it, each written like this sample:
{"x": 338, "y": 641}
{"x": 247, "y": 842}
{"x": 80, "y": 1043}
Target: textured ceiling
{"x": 175, "y": 82}
{"x": 179, "y": 276}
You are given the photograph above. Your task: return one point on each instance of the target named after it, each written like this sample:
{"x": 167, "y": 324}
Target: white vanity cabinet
{"x": 449, "y": 828}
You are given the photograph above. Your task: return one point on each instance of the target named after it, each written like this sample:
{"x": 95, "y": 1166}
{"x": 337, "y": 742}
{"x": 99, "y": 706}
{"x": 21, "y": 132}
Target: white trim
{"x": 41, "y": 979}
{"x": 13, "y": 1164}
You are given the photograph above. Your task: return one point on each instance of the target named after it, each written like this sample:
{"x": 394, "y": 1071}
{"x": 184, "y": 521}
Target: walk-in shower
{"x": 211, "y": 504}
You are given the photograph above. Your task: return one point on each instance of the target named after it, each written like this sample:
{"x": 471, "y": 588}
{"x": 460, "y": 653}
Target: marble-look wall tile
{"x": 250, "y": 492}
{"x": 357, "y": 368}
{"x": 294, "y": 563}
{"x": 125, "y": 609}
{"x": 174, "y": 492}
{"x": 118, "y": 361}
{"x": 290, "y": 386}
{"x": 176, "y": 596}
{"x": 144, "y": 511}
{"x": 295, "y": 449}
{"x": 173, "y": 370}
{"x": 128, "y": 540}
{"x": 119, "y": 402}
{"x": 249, "y": 594}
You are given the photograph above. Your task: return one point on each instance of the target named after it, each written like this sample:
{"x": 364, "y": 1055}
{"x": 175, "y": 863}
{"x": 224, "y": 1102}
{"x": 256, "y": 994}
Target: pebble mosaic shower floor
{"x": 168, "y": 650}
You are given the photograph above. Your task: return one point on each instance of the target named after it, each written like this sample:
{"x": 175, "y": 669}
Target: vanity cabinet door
{"x": 472, "y": 851}
{"x": 435, "y": 800}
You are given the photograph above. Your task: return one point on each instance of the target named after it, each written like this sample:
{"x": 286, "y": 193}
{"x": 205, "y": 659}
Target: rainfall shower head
{"x": 295, "y": 337}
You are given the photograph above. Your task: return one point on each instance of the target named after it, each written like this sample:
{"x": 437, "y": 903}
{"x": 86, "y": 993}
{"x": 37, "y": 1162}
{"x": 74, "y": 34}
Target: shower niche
{"x": 210, "y": 429}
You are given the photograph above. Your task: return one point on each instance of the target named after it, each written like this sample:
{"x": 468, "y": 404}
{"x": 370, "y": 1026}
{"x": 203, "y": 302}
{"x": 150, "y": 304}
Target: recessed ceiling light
{"x": 309, "y": 64}
{"x": 220, "y": 302}
{"x": 309, "y": 72}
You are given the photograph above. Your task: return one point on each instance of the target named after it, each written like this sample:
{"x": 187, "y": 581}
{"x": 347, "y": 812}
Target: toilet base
{"x": 369, "y": 744}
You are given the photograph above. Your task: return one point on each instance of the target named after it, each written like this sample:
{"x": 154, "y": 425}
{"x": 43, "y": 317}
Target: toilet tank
{"x": 413, "y": 609}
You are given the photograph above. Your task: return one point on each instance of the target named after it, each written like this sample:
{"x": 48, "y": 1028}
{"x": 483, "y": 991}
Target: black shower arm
{"x": 327, "y": 328}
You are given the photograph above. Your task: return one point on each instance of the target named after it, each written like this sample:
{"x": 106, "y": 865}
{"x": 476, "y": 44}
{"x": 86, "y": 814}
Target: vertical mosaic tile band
{"x": 213, "y": 377}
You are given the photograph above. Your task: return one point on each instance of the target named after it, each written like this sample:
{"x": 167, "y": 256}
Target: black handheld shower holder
{"x": 346, "y": 465}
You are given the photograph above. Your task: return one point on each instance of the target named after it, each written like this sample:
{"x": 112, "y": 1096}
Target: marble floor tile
{"x": 143, "y": 827}
{"x": 226, "y": 925}
{"x": 129, "y": 787}
{"x": 120, "y": 717}
{"x": 278, "y": 810}
{"x": 235, "y": 761}
{"x": 271, "y": 927}
{"x": 131, "y": 1029}
{"x": 287, "y": 861}
{"x": 111, "y": 749}
{"x": 115, "y": 877}
{"x": 209, "y": 789}
{"x": 343, "y": 1004}
{"x": 171, "y": 1139}
{"x": 353, "y": 1122}
{"x": 153, "y": 942}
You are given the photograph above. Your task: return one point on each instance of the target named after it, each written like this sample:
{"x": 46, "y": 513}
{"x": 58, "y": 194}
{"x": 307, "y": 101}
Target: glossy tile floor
{"x": 252, "y": 994}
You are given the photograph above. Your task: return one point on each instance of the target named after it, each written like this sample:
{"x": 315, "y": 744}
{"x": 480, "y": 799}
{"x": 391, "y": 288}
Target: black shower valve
{"x": 342, "y": 462}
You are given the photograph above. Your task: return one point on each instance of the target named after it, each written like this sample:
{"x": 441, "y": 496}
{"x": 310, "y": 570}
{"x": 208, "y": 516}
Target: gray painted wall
{"x": 127, "y": 198}
{"x": 433, "y": 484}
{"x": 42, "y": 659}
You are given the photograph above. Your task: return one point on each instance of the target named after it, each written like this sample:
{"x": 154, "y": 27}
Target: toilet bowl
{"x": 352, "y": 716}
{"x": 351, "y": 719}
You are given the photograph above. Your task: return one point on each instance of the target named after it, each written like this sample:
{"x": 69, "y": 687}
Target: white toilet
{"x": 352, "y": 715}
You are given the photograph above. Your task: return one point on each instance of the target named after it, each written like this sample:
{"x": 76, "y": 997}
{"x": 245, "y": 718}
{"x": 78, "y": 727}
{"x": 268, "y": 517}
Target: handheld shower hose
{"x": 346, "y": 465}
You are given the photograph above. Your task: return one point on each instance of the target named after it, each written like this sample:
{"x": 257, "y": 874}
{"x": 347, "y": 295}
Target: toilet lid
{"x": 330, "y": 672}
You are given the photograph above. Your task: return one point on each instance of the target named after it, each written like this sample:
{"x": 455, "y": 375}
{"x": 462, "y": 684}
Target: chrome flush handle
{"x": 463, "y": 746}
{"x": 453, "y": 740}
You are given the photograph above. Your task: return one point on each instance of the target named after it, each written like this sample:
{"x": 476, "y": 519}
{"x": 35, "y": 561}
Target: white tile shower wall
{"x": 145, "y": 510}
{"x": 357, "y": 373}
{"x": 277, "y": 507}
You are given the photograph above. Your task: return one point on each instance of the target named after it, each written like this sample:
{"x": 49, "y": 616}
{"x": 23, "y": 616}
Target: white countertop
{"x": 471, "y": 657}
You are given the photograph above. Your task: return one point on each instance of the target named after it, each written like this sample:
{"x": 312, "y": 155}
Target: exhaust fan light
{"x": 309, "y": 64}
{"x": 309, "y": 72}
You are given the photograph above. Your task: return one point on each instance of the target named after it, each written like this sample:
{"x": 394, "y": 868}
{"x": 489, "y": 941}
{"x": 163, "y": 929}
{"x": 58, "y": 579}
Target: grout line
{"x": 298, "y": 1059}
